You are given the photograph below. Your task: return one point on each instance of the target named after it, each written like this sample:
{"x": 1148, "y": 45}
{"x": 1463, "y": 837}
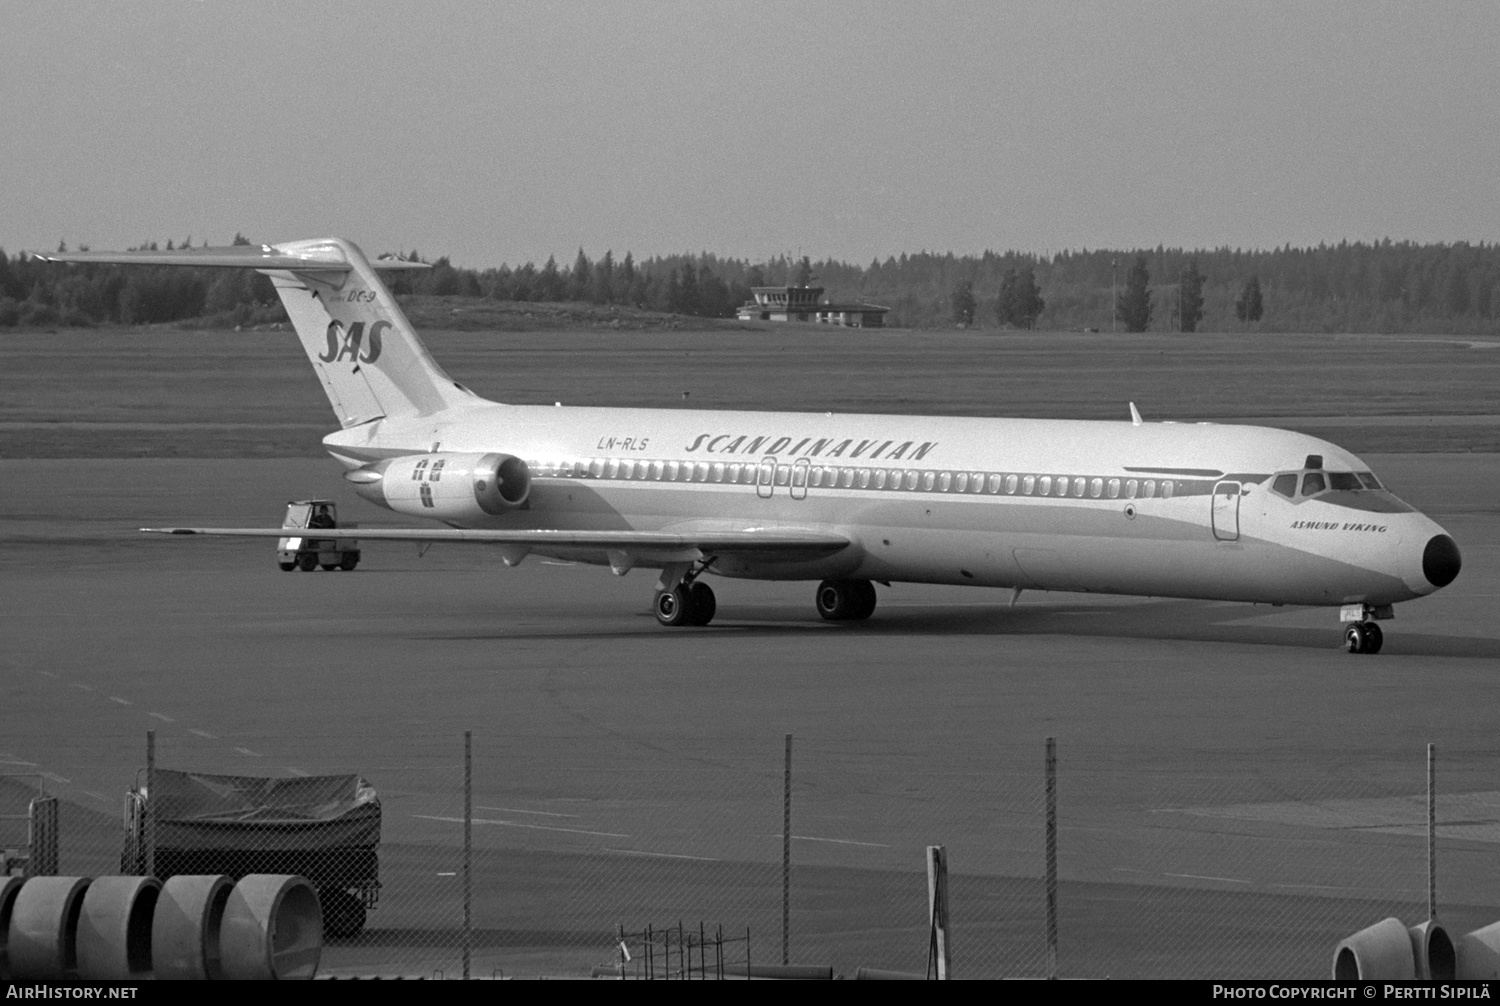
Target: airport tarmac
{"x": 1236, "y": 793}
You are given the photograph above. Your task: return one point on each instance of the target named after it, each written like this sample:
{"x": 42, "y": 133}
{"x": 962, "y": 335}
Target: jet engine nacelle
{"x": 453, "y": 487}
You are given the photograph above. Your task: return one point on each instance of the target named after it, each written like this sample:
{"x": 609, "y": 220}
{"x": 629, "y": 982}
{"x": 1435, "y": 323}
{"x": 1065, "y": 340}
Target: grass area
{"x": 162, "y": 391}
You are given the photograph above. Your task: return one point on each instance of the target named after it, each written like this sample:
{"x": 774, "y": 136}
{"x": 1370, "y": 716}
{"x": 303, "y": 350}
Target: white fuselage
{"x": 1155, "y": 509}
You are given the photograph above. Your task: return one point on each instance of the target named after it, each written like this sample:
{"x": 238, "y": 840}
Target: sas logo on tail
{"x": 355, "y": 344}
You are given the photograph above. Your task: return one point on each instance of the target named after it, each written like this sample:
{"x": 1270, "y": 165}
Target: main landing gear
{"x": 845, "y": 600}
{"x": 687, "y": 602}
{"x": 1362, "y": 635}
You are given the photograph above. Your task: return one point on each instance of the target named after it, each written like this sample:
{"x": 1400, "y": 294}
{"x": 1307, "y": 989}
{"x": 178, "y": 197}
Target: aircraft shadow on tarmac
{"x": 1200, "y": 621}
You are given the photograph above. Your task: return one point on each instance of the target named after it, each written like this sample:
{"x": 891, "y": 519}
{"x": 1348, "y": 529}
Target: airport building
{"x": 805, "y": 303}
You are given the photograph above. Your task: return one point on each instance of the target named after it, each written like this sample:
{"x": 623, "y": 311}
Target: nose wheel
{"x": 1363, "y": 637}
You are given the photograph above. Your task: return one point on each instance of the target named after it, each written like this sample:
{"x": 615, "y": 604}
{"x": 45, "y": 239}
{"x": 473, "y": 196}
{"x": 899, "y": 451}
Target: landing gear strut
{"x": 1362, "y": 635}
{"x": 686, "y": 602}
{"x": 845, "y": 600}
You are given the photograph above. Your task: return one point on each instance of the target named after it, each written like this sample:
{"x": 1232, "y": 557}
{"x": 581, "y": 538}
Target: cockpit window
{"x": 1347, "y": 481}
{"x": 1286, "y": 485}
{"x": 1369, "y": 480}
{"x": 1313, "y": 483}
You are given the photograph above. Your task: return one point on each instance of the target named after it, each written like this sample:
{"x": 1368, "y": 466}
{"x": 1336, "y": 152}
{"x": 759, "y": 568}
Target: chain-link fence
{"x": 451, "y": 860}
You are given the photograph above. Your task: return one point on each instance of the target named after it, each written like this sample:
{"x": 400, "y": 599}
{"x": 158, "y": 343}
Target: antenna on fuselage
{"x": 1135, "y": 415}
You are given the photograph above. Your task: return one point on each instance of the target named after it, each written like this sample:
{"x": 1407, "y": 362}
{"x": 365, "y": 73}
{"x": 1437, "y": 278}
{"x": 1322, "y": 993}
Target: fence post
{"x": 148, "y": 805}
{"x": 1051, "y": 855}
{"x": 939, "y": 952}
{"x": 786, "y": 855}
{"x": 1431, "y": 832}
{"x": 468, "y": 847}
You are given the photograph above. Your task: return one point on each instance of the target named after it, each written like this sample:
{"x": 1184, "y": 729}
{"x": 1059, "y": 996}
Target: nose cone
{"x": 1441, "y": 561}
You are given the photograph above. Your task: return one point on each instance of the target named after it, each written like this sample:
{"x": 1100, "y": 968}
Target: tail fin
{"x": 367, "y": 356}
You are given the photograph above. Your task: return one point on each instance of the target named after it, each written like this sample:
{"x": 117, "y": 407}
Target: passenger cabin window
{"x": 1096, "y": 488}
{"x": 717, "y": 471}
{"x": 944, "y": 481}
{"x": 976, "y": 482}
{"x": 961, "y": 482}
{"x": 1044, "y": 485}
{"x": 1148, "y": 488}
{"x": 1114, "y": 488}
{"x": 864, "y": 478}
{"x": 846, "y": 477}
{"x": 1078, "y": 485}
{"x": 1062, "y": 485}
{"x": 1166, "y": 489}
{"x": 1011, "y": 481}
{"x": 1313, "y": 483}
{"x": 1027, "y": 484}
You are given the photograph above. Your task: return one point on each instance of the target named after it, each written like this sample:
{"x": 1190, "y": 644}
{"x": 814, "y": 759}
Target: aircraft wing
{"x": 788, "y": 541}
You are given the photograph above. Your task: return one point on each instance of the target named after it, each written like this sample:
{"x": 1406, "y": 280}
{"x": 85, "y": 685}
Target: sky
{"x": 506, "y": 132}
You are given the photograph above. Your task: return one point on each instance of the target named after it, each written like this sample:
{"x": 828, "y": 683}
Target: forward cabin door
{"x": 1226, "y": 514}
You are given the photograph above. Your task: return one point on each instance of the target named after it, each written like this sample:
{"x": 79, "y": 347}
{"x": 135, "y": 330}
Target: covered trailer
{"x": 324, "y": 828}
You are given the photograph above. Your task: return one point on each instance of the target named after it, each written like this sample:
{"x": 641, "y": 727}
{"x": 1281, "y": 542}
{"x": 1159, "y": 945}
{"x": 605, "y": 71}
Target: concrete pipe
{"x": 1432, "y": 952}
{"x": 185, "y": 931}
{"x": 9, "y": 888}
{"x": 1479, "y": 954}
{"x": 43, "y": 939}
{"x": 272, "y": 928}
{"x": 114, "y": 928}
{"x": 1379, "y": 953}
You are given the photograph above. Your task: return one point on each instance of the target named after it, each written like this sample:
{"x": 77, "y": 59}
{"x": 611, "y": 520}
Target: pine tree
{"x": 549, "y": 285}
{"x": 1250, "y": 306}
{"x": 1456, "y": 292}
{"x": 627, "y": 282}
{"x": 578, "y": 281}
{"x": 1020, "y": 302}
{"x": 804, "y": 272}
{"x": 1133, "y": 308}
{"x": 604, "y": 279}
{"x": 1191, "y": 294}
{"x": 963, "y": 303}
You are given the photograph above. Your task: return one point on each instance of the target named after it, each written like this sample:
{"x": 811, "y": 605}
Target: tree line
{"x": 1349, "y": 287}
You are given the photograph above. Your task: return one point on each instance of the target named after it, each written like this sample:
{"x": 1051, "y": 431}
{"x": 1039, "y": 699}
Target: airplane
{"x": 1201, "y": 511}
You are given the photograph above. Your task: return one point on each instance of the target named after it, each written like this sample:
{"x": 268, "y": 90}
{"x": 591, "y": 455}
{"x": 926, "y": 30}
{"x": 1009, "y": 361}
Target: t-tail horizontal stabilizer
{"x": 368, "y": 358}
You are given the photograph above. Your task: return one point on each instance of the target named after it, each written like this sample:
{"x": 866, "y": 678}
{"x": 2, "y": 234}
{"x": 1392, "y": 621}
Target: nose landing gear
{"x": 1362, "y": 634}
